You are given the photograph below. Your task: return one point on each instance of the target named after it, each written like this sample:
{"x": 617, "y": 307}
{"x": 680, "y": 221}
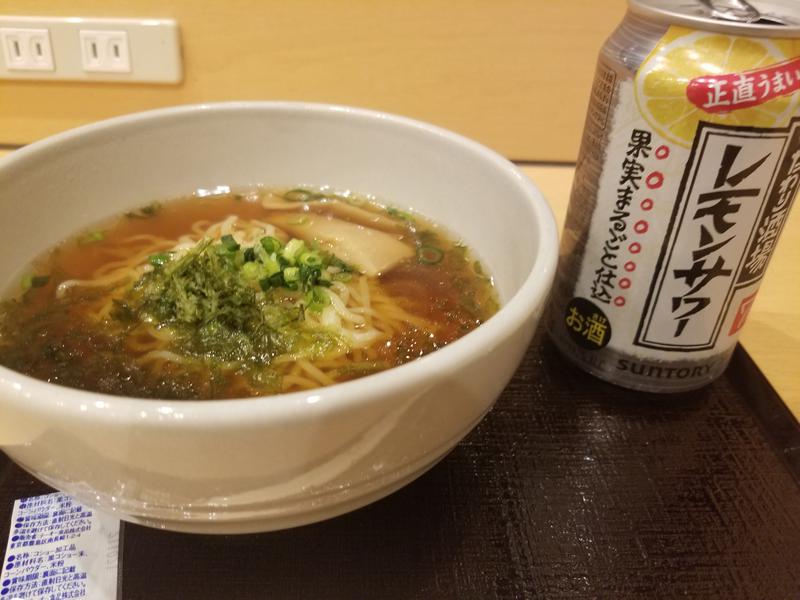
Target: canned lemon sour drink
{"x": 689, "y": 164}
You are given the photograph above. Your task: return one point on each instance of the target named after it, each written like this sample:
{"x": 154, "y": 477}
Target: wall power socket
{"x": 90, "y": 49}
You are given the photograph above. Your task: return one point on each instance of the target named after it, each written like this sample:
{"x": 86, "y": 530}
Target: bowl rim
{"x": 38, "y": 395}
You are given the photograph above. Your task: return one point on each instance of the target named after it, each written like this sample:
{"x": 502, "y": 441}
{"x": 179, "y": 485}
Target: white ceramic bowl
{"x": 269, "y": 463}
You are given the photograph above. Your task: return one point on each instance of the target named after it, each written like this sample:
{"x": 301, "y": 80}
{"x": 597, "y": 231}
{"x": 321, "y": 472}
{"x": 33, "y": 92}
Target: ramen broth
{"x": 240, "y": 295}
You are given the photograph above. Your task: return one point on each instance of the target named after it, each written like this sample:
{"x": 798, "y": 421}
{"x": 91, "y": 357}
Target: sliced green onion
{"x": 229, "y": 242}
{"x": 274, "y": 280}
{"x": 340, "y": 264}
{"x": 301, "y": 195}
{"x": 271, "y": 244}
{"x": 398, "y": 214}
{"x": 291, "y": 274}
{"x": 92, "y": 237}
{"x": 293, "y": 249}
{"x": 317, "y": 299}
{"x": 343, "y": 276}
{"x": 34, "y": 281}
{"x": 429, "y": 255}
{"x": 251, "y": 271}
{"x": 310, "y": 259}
{"x": 270, "y": 265}
{"x": 160, "y": 259}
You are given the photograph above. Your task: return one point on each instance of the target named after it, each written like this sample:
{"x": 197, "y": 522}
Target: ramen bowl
{"x": 258, "y": 464}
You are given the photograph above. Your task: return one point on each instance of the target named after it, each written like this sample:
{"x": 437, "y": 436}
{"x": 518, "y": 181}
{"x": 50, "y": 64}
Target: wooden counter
{"x": 772, "y": 333}
{"x": 465, "y": 65}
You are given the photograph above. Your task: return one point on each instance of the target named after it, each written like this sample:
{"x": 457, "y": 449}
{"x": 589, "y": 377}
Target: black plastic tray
{"x": 570, "y": 488}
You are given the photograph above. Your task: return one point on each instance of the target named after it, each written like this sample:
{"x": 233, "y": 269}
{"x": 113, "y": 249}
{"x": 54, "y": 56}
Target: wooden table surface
{"x": 772, "y": 333}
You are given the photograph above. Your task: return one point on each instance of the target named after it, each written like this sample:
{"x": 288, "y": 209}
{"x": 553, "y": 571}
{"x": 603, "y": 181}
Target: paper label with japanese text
{"x": 59, "y": 549}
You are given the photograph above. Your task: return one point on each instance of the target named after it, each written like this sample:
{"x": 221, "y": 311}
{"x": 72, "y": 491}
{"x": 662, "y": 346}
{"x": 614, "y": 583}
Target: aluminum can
{"x": 689, "y": 164}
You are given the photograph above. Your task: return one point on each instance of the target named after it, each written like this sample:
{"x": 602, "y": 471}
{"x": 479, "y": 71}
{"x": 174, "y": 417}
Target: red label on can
{"x": 741, "y": 313}
{"x": 733, "y": 91}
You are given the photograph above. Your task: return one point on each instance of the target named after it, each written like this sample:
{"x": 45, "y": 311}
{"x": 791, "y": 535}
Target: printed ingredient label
{"x": 59, "y": 549}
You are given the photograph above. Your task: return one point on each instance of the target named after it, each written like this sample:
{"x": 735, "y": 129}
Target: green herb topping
{"x": 234, "y": 303}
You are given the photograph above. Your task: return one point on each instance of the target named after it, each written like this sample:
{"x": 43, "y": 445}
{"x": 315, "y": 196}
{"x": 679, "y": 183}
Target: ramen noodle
{"x": 242, "y": 294}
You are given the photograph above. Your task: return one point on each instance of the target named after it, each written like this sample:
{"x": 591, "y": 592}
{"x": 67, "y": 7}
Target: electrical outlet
{"x": 27, "y": 49}
{"x": 90, "y": 49}
{"x": 105, "y": 51}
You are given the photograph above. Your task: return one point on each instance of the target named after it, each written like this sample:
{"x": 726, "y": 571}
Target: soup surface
{"x": 242, "y": 294}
